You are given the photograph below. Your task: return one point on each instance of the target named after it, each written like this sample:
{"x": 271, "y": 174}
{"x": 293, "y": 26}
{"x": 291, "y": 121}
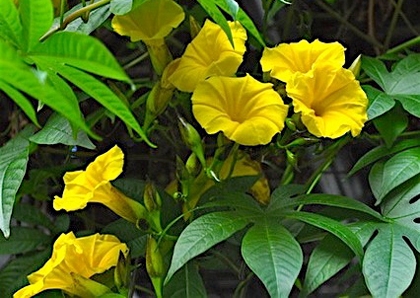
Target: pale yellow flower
{"x": 245, "y": 110}
{"x": 210, "y": 54}
{"x": 150, "y": 22}
{"x": 73, "y": 257}
{"x": 330, "y": 100}
{"x": 287, "y": 59}
{"x": 93, "y": 186}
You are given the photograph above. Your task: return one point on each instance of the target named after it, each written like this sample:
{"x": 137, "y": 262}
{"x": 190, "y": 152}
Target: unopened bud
{"x": 151, "y": 197}
{"x": 192, "y": 165}
{"x": 356, "y": 65}
{"x": 192, "y": 139}
{"x": 154, "y": 264}
{"x": 194, "y": 27}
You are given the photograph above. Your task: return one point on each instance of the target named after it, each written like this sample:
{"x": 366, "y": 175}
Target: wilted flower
{"x": 151, "y": 21}
{"x": 210, "y": 54}
{"x": 247, "y": 111}
{"x": 330, "y": 100}
{"x": 74, "y": 259}
{"x": 94, "y": 186}
{"x": 287, "y": 59}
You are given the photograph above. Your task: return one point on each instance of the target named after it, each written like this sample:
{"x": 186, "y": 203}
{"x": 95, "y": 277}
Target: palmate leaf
{"x": 391, "y": 124}
{"x": 10, "y": 25}
{"x": 14, "y": 158}
{"x": 379, "y": 102}
{"x": 273, "y": 255}
{"x": 186, "y": 283}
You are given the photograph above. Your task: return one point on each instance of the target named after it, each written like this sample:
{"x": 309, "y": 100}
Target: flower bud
{"x": 194, "y": 27}
{"x": 158, "y": 100}
{"x": 192, "y": 139}
{"x": 356, "y": 65}
{"x": 159, "y": 55}
{"x": 151, "y": 197}
{"x": 154, "y": 264}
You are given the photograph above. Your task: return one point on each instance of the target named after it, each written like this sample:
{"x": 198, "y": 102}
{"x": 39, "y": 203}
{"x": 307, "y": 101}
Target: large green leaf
{"x": 186, "y": 283}
{"x": 36, "y": 17}
{"x": 57, "y": 130}
{"x": 23, "y": 240}
{"x": 383, "y": 151}
{"x": 389, "y": 263}
{"x": 376, "y": 70}
{"x": 398, "y": 169}
{"x": 202, "y": 234}
{"x": 391, "y": 124}
{"x": 14, "y": 158}
{"x": 334, "y": 227}
{"x": 10, "y": 25}
{"x": 379, "y": 102}
{"x": 81, "y": 51}
{"x": 274, "y": 255}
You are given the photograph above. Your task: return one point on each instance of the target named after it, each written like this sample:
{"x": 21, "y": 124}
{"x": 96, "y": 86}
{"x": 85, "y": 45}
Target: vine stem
{"x": 394, "y": 20}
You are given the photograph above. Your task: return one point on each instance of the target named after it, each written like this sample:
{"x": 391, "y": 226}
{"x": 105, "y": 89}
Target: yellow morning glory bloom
{"x": 285, "y": 59}
{"x": 245, "y": 110}
{"x": 330, "y": 100}
{"x": 150, "y": 21}
{"x": 71, "y": 258}
{"x": 210, "y": 54}
{"x": 93, "y": 186}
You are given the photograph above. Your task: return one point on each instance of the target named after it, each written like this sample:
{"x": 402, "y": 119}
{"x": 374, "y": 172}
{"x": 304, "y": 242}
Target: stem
{"x": 227, "y": 261}
{"x": 241, "y": 285}
{"x": 408, "y": 44}
{"x": 394, "y": 20}
{"x": 137, "y": 60}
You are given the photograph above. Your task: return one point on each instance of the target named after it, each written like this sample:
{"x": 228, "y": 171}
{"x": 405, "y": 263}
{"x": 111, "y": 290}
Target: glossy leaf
{"x": 186, "y": 283}
{"x": 22, "y": 240}
{"x": 202, "y": 234}
{"x": 36, "y": 17}
{"x": 398, "y": 169}
{"x": 120, "y": 7}
{"x": 389, "y": 264}
{"x": 96, "y": 19}
{"x": 334, "y": 227}
{"x": 379, "y": 102}
{"x": 57, "y": 130}
{"x": 10, "y": 25}
{"x": 380, "y": 152}
{"x": 282, "y": 195}
{"x": 391, "y": 124}
{"x": 376, "y": 70}
{"x": 81, "y": 51}
{"x": 14, "y": 158}
{"x": 274, "y": 255}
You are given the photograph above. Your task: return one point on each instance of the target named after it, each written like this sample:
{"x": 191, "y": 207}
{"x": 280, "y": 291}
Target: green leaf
{"x": 273, "y": 255}
{"x": 376, "y": 70}
{"x": 101, "y": 93}
{"x": 379, "y": 102}
{"x": 382, "y": 151}
{"x": 281, "y": 197}
{"x": 211, "y": 8}
{"x": 186, "y": 283}
{"x": 96, "y": 18}
{"x": 334, "y": 227}
{"x": 389, "y": 263}
{"x": 14, "y": 158}
{"x": 28, "y": 213}
{"x": 21, "y": 101}
{"x": 10, "y": 25}
{"x": 120, "y": 7}
{"x": 13, "y": 275}
{"x": 23, "y": 240}
{"x": 57, "y": 130}
{"x": 329, "y": 257}
{"x": 36, "y": 17}
{"x": 80, "y": 51}
{"x": 391, "y": 124}
{"x": 202, "y": 234}
{"x": 398, "y": 169}
{"x": 238, "y": 14}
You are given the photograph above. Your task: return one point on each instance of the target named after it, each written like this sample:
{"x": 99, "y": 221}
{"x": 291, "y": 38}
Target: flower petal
{"x": 247, "y": 111}
{"x": 331, "y": 101}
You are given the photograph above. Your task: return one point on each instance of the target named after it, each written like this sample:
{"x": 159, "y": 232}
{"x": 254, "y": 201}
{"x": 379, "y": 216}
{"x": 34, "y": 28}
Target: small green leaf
{"x": 28, "y": 213}
{"x": 36, "y": 17}
{"x": 120, "y": 7}
{"x": 202, "y": 234}
{"x": 10, "y": 25}
{"x": 389, "y": 263}
{"x": 334, "y": 227}
{"x": 57, "y": 130}
{"x": 391, "y": 124}
{"x": 23, "y": 240}
{"x": 14, "y": 158}
{"x": 398, "y": 169}
{"x": 274, "y": 255}
{"x": 186, "y": 283}
{"x": 382, "y": 151}
{"x": 379, "y": 102}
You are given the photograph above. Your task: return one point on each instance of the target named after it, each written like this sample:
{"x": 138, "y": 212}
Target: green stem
{"x": 408, "y": 44}
{"x": 227, "y": 261}
{"x": 137, "y": 60}
{"x": 391, "y": 27}
{"x": 241, "y": 286}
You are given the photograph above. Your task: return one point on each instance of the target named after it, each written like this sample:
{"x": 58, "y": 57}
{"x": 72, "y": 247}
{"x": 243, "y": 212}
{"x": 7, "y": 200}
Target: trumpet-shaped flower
{"x": 94, "y": 186}
{"x": 71, "y": 258}
{"x": 210, "y": 54}
{"x": 330, "y": 100}
{"x": 245, "y": 110}
{"x": 286, "y": 59}
{"x": 150, "y": 21}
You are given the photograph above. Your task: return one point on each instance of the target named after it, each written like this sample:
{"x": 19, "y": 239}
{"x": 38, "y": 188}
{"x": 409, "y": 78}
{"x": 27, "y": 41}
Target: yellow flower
{"x": 94, "y": 186}
{"x": 247, "y": 111}
{"x": 72, "y": 257}
{"x": 286, "y": 59}
{"x": 210, "y": 54}
{"x": 331, "y": 101}
{"x": 150, "y": 22}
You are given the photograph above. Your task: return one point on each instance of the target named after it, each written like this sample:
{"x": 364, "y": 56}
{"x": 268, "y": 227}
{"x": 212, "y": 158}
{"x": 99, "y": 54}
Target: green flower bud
{"x": 194, "y": 27}
{"x": 154, "y": 264}
{"x": 356, "y": 66}
{"x": 192, "y": 139}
